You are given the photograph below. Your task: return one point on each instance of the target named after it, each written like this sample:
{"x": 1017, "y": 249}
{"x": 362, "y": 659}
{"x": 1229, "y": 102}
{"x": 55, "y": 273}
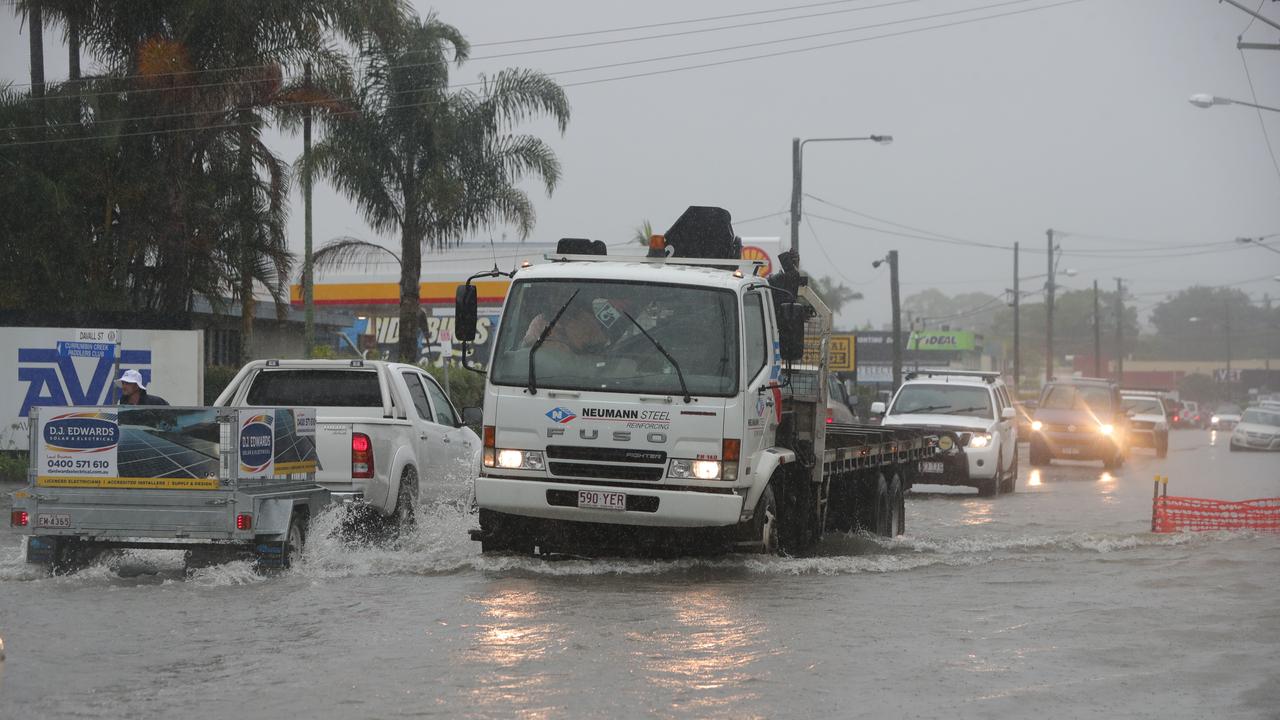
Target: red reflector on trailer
{"x": 18, "y": 518}
{"x": 244, "y": 522}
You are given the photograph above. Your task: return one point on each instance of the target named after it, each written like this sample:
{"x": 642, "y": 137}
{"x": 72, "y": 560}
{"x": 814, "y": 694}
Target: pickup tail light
{"x": 361, "y": 456}
{"x": 19, "y": 518}
{"x": 830, "y": 418}
{"x": 244, "y": 521}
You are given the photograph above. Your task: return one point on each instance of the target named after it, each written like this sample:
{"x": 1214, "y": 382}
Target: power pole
{"x": 1226, "y": 314}
{"x": 1048, "y": 310}
{"x": 897, "y": 319}
{"x": 1017, "y": 351}
{"x": 795, "y": 197}
{"x": 1097, "y": 334}
{"x": 1119, "y": 331}
{"x": 308, "y": 278}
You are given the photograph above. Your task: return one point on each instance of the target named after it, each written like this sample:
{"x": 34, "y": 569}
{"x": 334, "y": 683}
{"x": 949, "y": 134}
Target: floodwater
{"x": 1055, "y": 601}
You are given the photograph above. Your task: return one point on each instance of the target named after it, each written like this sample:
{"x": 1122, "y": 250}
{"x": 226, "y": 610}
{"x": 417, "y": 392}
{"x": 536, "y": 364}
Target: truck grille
{"x": 625, "y": 455}
{"x": 607, "y": 472}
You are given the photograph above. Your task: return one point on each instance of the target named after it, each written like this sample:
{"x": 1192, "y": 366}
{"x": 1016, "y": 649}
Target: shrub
{"x": 216, "y": 379}
{"x": 466, "y": 388}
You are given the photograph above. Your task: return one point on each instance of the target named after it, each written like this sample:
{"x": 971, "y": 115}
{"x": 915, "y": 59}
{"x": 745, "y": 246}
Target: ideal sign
{"x": 76, "y": 367}
{"x": 942, "y": 340}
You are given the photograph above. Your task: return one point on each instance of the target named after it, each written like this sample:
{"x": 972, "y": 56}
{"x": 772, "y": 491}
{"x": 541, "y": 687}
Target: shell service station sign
{"x": 751, "y": 252}
{"x": 841, "y": 354}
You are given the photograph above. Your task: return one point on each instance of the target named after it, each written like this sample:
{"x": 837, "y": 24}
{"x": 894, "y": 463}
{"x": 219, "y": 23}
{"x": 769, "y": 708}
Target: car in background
{"x": 1258, "y": 429}
{"x": 976, "y": 408}
{"x": 838, "y": 410}
{"x": 1192, "y": 416}
{"x": 1225, "y": 417}
{"x": 1148, "y": 423}
{"x": 1080, "y": 419}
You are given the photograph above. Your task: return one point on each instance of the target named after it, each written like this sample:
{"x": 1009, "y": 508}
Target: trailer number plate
{"x": 602, "y": 500}
{"x": 931, "y": 466}
{"x": 53, "y": 520}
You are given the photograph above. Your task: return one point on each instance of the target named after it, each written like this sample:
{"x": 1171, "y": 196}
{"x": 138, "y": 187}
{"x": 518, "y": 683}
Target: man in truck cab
{"x": 133, "y": 392}
{"x": 577, "y": 336}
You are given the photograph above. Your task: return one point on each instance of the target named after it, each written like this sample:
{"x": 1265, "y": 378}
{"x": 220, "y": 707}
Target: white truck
{"x": 387, "y": 435}
{"x": 637, "y": 402}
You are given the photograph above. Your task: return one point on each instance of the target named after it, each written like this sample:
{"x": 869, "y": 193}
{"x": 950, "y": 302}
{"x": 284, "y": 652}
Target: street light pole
{"x": 897, "y": 319}
{"x": 1048, "y": 309}
{"x": 1017, "y": 298}
{"x": 1206, "y": 100}
{"x": 797, "y": 170}
{"x": 1097, "y": 334}
{"x": 1119, "y": 331}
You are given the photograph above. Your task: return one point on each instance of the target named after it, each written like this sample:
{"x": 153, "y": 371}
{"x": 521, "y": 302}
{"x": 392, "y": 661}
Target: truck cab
{"x": 630, "y": 392}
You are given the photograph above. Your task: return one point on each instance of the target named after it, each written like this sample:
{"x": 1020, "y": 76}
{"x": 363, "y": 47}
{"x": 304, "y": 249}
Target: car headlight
{"x": 1036, "y": 425}
{"x": 980, "y": 440}
{"x": 703, "y": 470}
{"x": 1214, "y": 419}
{"x": 520, "y": 459}
{"x": 1106, "y": 429}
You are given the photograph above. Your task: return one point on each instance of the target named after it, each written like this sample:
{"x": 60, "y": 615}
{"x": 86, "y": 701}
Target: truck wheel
{"x": 867, "y": 504}
{"x": 764, "y": 522}
{"x": 898, "y": 504}
{"x": 496, "y": 535}
{"x": 884, "y": 505}
{"x": 404, "y": 517}
{"x": 797, "y": 515}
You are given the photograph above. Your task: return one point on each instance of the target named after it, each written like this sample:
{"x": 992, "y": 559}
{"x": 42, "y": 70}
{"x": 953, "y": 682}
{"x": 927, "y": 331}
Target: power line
{"x": 945, "y": 241}
{"x": 830, "y": 263}
{"x": 649, "y": 60}
{"x": 1261, "y": 122}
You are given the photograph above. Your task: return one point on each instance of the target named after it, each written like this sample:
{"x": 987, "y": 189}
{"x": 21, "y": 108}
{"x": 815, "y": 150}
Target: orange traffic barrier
{"x": 1175, "y": 514}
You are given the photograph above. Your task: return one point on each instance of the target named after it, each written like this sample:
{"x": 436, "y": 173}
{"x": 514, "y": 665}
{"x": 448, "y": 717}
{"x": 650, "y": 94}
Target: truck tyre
{"x": 497, "y": 535}
{"x": 797, "y": 514}
{"x": 764, "y": 522}
{"x": 404, "y": 516}
{"x": 882, "y": 501}
{"x": 898, "y": 505}
{"x": 865, "y": 503}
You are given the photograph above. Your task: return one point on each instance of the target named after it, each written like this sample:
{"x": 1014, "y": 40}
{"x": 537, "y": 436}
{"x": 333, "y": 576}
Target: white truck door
{"x": 458, "y": 459}
{"x": 761, "y": 401}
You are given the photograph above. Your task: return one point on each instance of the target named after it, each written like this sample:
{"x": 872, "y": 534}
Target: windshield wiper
{"x": 925, "y": 409}
{"x": 683, "y": 388}
{"x": 533, "y": 385}
{"x": 961, "y": 411}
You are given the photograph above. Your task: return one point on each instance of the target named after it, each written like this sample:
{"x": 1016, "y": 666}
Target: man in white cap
{"x": 133, "y": 392}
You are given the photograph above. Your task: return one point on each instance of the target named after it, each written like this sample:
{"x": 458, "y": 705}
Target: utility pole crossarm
{"x": 1255, "y": 14}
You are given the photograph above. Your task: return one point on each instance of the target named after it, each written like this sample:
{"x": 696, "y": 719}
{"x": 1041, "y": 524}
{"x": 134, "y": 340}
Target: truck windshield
{"x": 593, "y": 346}
{"x": 924, "y": 399}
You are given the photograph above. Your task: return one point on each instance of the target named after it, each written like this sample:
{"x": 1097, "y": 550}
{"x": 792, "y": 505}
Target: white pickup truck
{"x": 386, "y": 434}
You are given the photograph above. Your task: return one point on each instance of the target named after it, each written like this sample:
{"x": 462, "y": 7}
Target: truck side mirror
{"x": 1008, "y": 414}
{"x": 877, "y": 408}
{"x": 791, "y": 319}
{"x": 465, "y": 311}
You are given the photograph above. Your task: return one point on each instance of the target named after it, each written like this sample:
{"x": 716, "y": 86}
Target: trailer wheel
{"x": 295, "y": 538}
{"x": 885, "y": 506}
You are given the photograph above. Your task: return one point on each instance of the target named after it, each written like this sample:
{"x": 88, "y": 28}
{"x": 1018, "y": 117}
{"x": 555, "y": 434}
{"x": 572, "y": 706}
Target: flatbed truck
{"x": 695, "y": 417}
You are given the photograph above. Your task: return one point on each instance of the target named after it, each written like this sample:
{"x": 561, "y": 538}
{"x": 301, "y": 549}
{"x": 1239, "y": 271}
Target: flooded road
{"x": 1055, "y": 601}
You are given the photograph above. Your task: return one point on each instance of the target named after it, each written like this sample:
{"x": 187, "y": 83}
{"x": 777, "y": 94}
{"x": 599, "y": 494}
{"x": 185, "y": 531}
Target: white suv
{"x": 976, "y": 407}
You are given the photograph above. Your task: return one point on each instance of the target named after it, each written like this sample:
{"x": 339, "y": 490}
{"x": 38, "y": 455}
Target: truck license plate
{"x": 1070, "y": 451}
{"x": 53, "y": 520}
{"x": 931, "y": 466}
{"x": 602, "y": 500}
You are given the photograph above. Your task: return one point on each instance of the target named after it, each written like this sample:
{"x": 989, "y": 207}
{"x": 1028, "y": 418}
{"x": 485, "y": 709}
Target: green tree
{"x": 1193, "y": 325}
{"x": 431, "y": 163}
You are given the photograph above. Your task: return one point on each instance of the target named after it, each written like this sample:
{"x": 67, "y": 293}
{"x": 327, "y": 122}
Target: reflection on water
{"x": 706, "y": 657}
{"x": 517, "y": 632}
{"x": 977, "y": 512}
{"x": 1106, "y": 477}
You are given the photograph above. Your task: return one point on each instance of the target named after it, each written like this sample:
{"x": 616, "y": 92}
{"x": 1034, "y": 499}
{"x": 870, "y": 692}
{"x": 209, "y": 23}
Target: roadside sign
{"x": 842, "y": 353}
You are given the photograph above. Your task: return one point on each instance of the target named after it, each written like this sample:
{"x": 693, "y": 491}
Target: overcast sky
{"x": 1073, "y": 117}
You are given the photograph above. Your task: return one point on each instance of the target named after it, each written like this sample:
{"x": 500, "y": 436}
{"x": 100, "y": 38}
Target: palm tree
{"x": 33, "y": 11}
{"x": 834, "y": 293}
{"x": 431, "y": 163}
{"x": 642, "y": 233}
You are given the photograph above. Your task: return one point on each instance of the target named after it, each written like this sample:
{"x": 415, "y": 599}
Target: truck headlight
{"x": 1106, "y": 429}
{"x": 980, "y": 440}
{"x": 1036, "y": 425}
{"x": 703, "y": 470}
{"x": 520, "y": 459}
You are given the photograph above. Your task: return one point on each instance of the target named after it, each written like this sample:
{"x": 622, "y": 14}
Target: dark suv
{"x": 1080, "y": 419}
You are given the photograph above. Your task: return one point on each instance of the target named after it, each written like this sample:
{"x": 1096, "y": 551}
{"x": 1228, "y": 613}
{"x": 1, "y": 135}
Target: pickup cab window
{"x": 316, "y": 388}
{"x": 419, "y": 395}
{"x": 444, "y": 410}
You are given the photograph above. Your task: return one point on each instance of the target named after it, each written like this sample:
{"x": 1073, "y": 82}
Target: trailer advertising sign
{"x": 256, "y": 443}
{"x": 77, "y": 367}
{"x": 144, "y": 447}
